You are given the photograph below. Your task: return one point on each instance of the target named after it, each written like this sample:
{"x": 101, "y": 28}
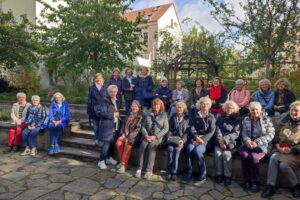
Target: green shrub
{"x": 5, "y": 114}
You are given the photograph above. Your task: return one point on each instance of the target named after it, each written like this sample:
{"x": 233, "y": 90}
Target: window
{"x": 156, "y": 8}
{"x": 145, "y": 37}
{"x": 148, "y": 17}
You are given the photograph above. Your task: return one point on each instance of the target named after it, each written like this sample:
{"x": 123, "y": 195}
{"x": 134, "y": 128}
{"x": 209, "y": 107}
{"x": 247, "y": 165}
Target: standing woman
{"x": 265, "y": 96}
{"x": 144, "y": 87}
{"x": 164, "y": 93}
{"x": 128, "y": 87}
{"x": 218, "y": 95}
{"x": 241, "y": 97}
{"x": 18, "y": 114}
{"x": 115, "y": 79}
{"x": 227, "y": 133}
{"x": 108, "y": 113}
{"x": 203, "y": 126}
{"x": 129, "y": 134}
{"x": 97, "y": 93}
{"x": 35, "y": 117}
{"x": 154, "y": 128}
{"x": 257, "y": 132}
{"x": 59, "y": 117}
{"x": 198, "y": 91}
{"x": 177, "y": 137}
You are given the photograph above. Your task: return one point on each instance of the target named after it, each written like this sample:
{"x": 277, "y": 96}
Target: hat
{"x": 240, "y": 81}
{"x": 163, "y": 79}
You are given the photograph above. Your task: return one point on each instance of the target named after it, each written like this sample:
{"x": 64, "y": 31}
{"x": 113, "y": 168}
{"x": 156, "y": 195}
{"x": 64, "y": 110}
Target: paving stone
{"x": 60, "y": 178}
{"x": 206, "y": 197}
{"x": 37, "y": 183}
{"x": 83, "y": 171}
{"x": 144, "y": 189}
{"x": 158, "y": 195}
{"x": 119, "y": 198}
{"x": 2, "y": 189}
{"x": 112, "y": 183}
{"x": 15, "y": 176}
{"x": 6, "y": 196}
{"x": 72, "y": 196}
{"x": 14, "y": 187}
{"x": 82, "y": 186}
{"x": 255, "y": 196}
{"x": 58, "y": 170}
{"x": 170, "y": 196}
{"x": 103, "y": 195}
{"x": 38, "y": 176}
{"x": 56, "y": 195}
{"x": 194, "y": 191}
{"x": 173, "y": 186}
{"x": 216, "y": 195}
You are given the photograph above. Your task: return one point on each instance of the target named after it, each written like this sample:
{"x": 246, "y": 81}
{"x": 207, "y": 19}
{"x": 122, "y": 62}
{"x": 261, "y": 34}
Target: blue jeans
{"x": 96, "y": 128}
{"x": 107, "y": 150}
{"x": 29, "y": 137}
{"x": 197, "y": 153}
{"x": 173, "y": 156}
{"x": 55, "y": 132}
{"x": 128, "y": 105}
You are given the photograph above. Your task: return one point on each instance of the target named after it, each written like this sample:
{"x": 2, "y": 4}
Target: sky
{"x": 197, "y": 10}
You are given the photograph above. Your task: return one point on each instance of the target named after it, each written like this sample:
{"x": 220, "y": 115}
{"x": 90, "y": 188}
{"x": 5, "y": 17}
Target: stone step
{"x": 83, "y": 133}
{"x": 85, "y": 143}
{"x": 79, "y": 153}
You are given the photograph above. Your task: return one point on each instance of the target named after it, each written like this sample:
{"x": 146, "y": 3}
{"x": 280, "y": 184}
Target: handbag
{"x": 173, "y": 140}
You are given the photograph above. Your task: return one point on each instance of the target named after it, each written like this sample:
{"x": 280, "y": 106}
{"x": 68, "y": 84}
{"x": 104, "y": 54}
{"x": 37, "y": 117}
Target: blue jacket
{"x": 266, "y": 99}
{"x": 95, "y": 97}
{"x": 36, "y": 116}
{"x": 128, "y": 94}
{"x": 62, "y": 113}
{"x": 164, "y": 91}
{"x": 145, "y": 84}
{"x": 289, "y": 97}
{"x": 105, "y": 112}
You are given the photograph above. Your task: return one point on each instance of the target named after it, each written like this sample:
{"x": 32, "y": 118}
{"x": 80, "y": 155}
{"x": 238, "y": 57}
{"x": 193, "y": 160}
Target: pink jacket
{"x": 241, "y": 98}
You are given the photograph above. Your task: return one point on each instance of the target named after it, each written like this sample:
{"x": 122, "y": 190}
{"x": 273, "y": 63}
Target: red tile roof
{"x": 155, "y": 12}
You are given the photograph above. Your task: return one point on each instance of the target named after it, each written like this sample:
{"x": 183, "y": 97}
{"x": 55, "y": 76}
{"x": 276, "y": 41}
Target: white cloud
{"x": 140, "y": 4}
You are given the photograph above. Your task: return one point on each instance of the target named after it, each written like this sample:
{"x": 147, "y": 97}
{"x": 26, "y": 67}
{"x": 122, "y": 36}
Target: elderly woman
{"x": 179, "y": 94}
{"x": 287, "y": 156}
{"x": 18, "y": 114}
{"x": 177, "y": 136}
{"x": 115, "y": 79}
{"x": 283, "y": 96}
{"x": 154, "y": 128}
{"x": 128, "y": 87}
{"x": 129, "y": 134}
{"x": 198, "y": 91}
{"x": 144, "y": 87}
{"x": 34, "y": 121}
{"x": 227, "y": 133}
{"x": 108, "y": 113}
{"x": 164, "y": 93}
{"x": 257, "y": 132}
{"x": 265, "y": 96}
{"x": 97, "y": 93}
{"x": 59, "y": 117}
{"x": 203, "y": 126}
{"x": 241, "y": 97}
{"x": 218, "y": 95}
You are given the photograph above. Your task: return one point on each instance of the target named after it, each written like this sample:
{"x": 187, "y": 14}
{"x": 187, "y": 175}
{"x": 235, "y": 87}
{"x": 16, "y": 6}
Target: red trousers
{"x": 15, "y": 134}
{"x": 124, "y": 151}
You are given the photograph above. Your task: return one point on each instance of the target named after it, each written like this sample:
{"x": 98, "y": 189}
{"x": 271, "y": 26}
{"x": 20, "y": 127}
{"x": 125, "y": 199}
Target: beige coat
{"x": 15, "y": 112}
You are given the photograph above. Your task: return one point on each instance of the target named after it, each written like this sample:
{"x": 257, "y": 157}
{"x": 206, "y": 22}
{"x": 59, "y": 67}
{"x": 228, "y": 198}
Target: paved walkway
{"x": 53, "y": 178}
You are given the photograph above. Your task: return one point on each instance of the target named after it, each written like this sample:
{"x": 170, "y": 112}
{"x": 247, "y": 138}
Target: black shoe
{"x": 17, "y": 148}
{"x": 10, "y": 149}
{"x": 219, "y": 179}
{"x": 296, "y": 191}
{"x": 187, "y": 178}
{"x": 268, "y": 192}
{"x": 254, "y": 187}
{"x": 168, "y": 177}
{"x": 174, "y": 177}
{"x": 246, "y": 185}
{"x": 227, "y": 181}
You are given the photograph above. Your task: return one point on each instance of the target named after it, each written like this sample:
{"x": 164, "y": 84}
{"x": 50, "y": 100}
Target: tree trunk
{"x": 51, "y": 77}
{"x": 268, "y": 66}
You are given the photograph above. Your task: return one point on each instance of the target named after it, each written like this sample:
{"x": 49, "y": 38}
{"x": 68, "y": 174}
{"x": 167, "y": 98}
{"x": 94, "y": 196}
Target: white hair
{"x": 202, "y": 100}
{"x": 59, "y": 94}
{"x": 181, "y": 104}
{"x": 21, "y": 94}
{"x": 264, "y": 81}
{"x": 112, "y": 87}
{"x": 255, "y": 104}
{"x": 231, "y": 103}
{"x": 35, "y": 97}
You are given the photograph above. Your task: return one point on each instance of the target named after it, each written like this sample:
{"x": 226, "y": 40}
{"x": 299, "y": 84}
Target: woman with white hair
{"x": 257, "y": 132}
{"x": 241, "y": 97}
{"x": 265, "y": 96}
{"x": 35, "y": 118}
{"x": 227, "y": 133}
{"x": 203, "y": 126}
{"x": 18, "y": 114}
{"x": 283, "y": 96}
{"x": 59, "y": 117}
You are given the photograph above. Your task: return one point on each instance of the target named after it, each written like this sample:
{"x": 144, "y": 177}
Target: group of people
{"x": 194, "y": 122}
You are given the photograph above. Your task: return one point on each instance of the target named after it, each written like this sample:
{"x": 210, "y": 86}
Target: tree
{"x": 166, "y": 52}
{"x": 268, "y": 30}
{"x": 17, "y": 42}
{"x": 88, "y": 35}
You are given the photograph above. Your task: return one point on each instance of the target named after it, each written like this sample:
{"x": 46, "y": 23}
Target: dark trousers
{"x": 196, "y": 152}
{"x": 107, "y": 150}
{"x": 128, "y": 106}
{"x": 150, "y": 148}
{"x": 173, "y": 157}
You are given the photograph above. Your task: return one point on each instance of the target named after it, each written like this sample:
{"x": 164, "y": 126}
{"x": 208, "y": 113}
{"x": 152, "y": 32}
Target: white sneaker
{"x": 26, "y": 152}
{"x": 111, "y": 161}
{"x": 102, "y": 165}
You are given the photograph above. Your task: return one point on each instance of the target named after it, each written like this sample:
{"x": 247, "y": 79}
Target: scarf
{"x": 215, "y": 92}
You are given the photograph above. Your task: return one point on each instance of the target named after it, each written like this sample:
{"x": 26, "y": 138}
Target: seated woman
{"x": 109, "y": 116}
{"x": 227, "y": 133}
{"x": 265, "y": 96}
{"x": 164, "y": 93}
{"x": 177, "y": 136}
{"x": 283, "y": 96}
{"x": 35, "y": 117}
{"x": 217, "y": 94}
{"x": 130, "y": 130}
{"x": 257, "y": 132}
{"x": 287, "y": 156}
{"x": 203, "y": 126}
{"x": 179, "y": 94}
{"x": 198, "y": 91}
{"x": 18, "y": 114}
{"x": 59, "y": 117}
{"x": 154, "y": 128}
{"x": 241, "y": 97}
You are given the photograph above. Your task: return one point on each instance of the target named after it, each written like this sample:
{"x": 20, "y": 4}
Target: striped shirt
{"x": 21, "y": 109}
